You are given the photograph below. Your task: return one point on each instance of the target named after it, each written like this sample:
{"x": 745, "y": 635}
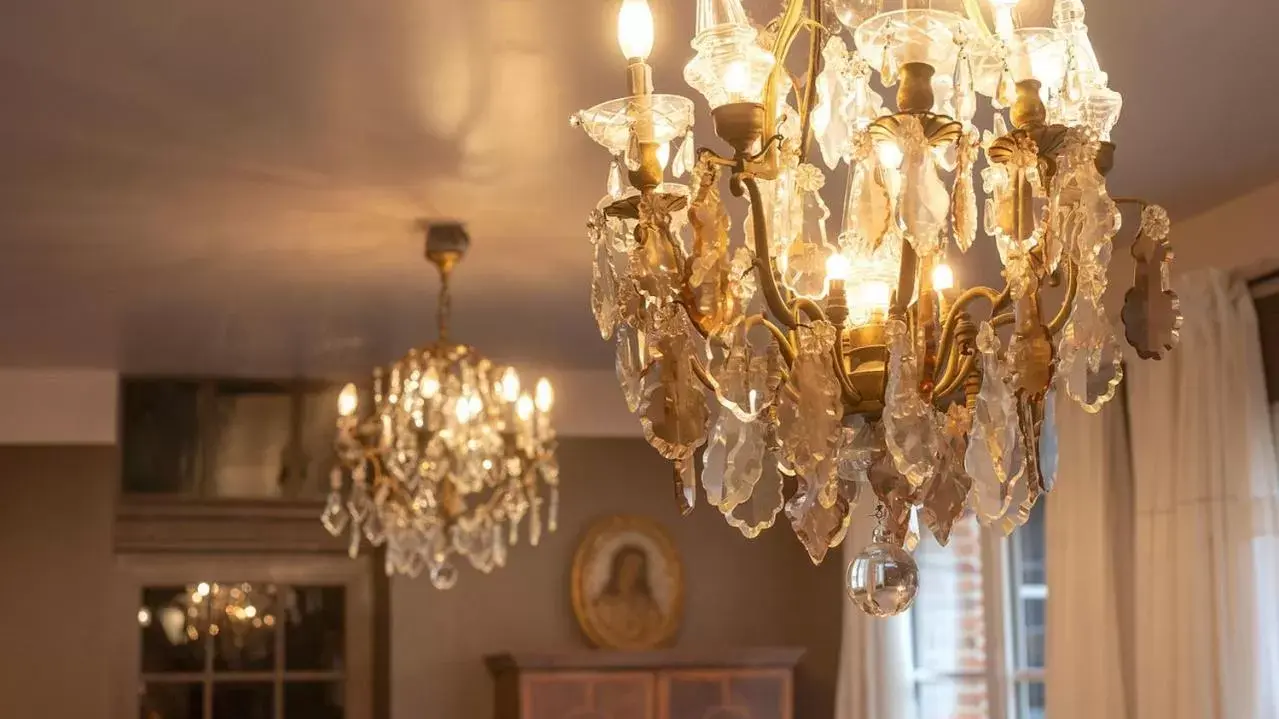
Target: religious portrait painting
{"x": 628, "y": 584}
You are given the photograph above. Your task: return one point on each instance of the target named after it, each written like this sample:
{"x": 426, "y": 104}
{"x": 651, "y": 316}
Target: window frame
{"x": 1003, "y": 676}
{"x": 136, "y": 571}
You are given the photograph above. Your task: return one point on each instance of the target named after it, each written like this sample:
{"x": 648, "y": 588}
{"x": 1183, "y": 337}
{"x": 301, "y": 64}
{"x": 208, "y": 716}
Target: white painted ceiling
{"x": 191, "y": 186}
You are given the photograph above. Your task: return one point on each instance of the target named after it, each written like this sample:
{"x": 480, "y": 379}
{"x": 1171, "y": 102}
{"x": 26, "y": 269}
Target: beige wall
{"x": 56, "y": 519}
{"x": 56, "y": 508}
{"x": 762, "y": 592}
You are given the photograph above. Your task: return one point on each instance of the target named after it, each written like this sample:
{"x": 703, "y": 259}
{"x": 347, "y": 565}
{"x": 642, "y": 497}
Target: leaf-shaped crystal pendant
{"x": 672, "y": 407}
{"x": 910, "y": 429}
{"x": 867, "y": 206}
{"x": 741, "y": 372}
{"x": 632, "y": 362}
{"x": 759, "y": 511}
{"x": 945, "y": 494}
{"x": 805, "y": 259}
{"x": 1089, "y": 357}
{"x": 922, "y": 213}
{"x": 994, "y": 458}
{"x": 818, "y": 527}
{"x": 833, "y": 98}
{"x": 714, "y": 305}
{"x": 733, "y": 461}
{"x": 861, "y": 447}
{"x": 963, "y": 201}
{"x": 1152, "y": 311}
{"x": 1026, "y": 490}
{"x": 864, "y": 104}
{"x": 809, "y": 411}
{"x": 603, "y": 282}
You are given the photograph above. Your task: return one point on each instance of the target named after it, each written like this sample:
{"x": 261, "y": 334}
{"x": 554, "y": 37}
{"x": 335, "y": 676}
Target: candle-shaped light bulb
{"x": 736, "y": 78}
{"x": 430, "y": 382}
{"x": 462, "y": 409}
{"x": 348, "y": 400}
{"x": 837, "y": 268}
{"x": 524, "y": 407}
{"x": 943, "y": 278}
{"x": 509, "y": 388}
{"x": 889, "y": 153}
{"x": 1003, "y": 11}
{"x": 635, "y": 29}
{"x": 544, "y": 396}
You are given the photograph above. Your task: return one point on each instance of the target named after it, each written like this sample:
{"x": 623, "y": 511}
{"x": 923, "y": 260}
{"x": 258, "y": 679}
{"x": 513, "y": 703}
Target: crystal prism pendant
{"x": 809, "y": 412}
{"x": 759, "y": 511}
{"x": 995, "y": 458}
{"x": 963, "y": 200}
{"x": 924, "y": 217}
{"x": 945, "y": 495}
{"x": 334, "y": 516}
{"x": 733, "y": 461}
{"x": 603, "y": 286}
{"x": 614, "y": 185}
{"x": 818, "y": 527}
{"x": 685, "y": 157}
{"x": 909, "y": 426}
{"x": 672, "y": 407}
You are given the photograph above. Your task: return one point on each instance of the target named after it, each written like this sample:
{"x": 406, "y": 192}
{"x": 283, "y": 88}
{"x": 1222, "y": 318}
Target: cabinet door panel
{"x": 738, "y": 694}
{"x": 588, "y": 695}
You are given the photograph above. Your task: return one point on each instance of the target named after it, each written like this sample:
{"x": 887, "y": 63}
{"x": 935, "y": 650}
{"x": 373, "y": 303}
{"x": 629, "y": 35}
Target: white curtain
{"x": 1088, "y": 528}
{"x": 875, "y": 669}
{"x": 1205, "y": 526}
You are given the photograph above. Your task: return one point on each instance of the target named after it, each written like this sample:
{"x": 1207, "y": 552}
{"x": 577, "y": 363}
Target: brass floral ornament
{"x": 831, "y": 358}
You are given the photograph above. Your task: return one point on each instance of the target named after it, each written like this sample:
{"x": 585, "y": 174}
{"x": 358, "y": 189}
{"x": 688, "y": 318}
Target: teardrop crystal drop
{"x": 1006, "y": 90}
{"x": 614, "y": 186}
{"x": 684, "y": 159}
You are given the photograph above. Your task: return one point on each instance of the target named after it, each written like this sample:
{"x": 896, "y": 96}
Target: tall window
{"x": 239, "y": 637}
{"x": 242, "y": 650}
{"x": 978, "y": 630}
{"x": 1028, "y": 595}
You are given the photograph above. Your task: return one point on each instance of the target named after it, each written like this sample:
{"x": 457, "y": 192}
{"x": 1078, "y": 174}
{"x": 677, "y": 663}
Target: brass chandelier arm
{"x": 816, "y": 42}
{"x": 973, "y": 9}
{"x": 960, "y": 307}
{"x": 851, "y": 395}
{"x": 783, "y": 342}
{"x": 810, "y": 308}
{"x": 788, "y": 26}
{"x": 777, "y": 304}
{"x": 1072, "y": 288}
{"x": 952, "y": 379}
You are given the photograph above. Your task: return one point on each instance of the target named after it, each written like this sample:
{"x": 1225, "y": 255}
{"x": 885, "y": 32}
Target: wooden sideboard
{"x": 728, "y": 684}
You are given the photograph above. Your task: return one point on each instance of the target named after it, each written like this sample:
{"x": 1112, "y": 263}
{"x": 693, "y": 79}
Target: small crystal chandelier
{"x": 230, "y": 613}
{"x": 840, "y": 357}
{"x": 452, "y": 457}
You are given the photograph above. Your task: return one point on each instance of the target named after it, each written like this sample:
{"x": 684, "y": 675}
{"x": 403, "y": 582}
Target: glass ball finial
{"x": 883, "y": 580}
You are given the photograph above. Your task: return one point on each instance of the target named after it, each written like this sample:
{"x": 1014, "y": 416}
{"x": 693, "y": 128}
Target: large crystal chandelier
{"x": 839, "y": 356}
{"x": 451, "y": 458}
